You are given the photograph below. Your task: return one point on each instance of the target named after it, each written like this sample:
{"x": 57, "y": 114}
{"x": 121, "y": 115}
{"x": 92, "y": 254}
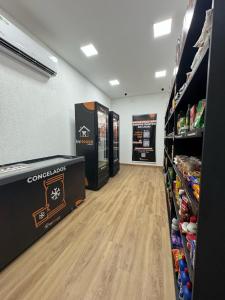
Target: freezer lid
{"x": 17, "y": 171}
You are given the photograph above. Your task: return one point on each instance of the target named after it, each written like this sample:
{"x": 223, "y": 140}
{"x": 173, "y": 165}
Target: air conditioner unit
{"x": 15, "y": 42}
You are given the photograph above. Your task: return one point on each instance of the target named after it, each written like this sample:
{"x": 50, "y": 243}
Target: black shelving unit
{"x": 206, "y": 82}
{"x": 186, "y": 252}
{"x": 171, "y": 214}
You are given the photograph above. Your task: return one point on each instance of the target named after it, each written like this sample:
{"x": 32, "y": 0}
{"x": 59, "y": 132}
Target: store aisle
{"x": 115, "y": 246}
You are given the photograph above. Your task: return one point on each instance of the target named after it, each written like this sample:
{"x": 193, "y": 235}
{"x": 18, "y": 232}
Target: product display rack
{"x": 205, "y": 82}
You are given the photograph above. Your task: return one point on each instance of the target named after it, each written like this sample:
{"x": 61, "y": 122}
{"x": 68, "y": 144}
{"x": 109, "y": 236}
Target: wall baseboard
{"x": 142, "y": 165}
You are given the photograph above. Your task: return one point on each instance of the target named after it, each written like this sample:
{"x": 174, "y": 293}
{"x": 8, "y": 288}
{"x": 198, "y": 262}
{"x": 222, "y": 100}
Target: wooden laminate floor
{"x": 115, "y": 246}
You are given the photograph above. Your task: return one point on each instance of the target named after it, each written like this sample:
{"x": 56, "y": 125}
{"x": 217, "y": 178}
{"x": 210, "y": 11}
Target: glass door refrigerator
{"x": 92, "y": 141}
{"x": 114, "y": 164}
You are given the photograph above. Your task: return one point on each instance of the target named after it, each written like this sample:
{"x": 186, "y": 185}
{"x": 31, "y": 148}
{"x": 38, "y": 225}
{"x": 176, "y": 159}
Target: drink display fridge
{"x": 92, "y": 141}
{"x": 114, "y": 164}
{"x": 34, "y": 196}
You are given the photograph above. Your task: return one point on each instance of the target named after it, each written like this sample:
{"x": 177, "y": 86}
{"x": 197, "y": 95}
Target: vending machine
{"x": 114, "y": 163}
{"x": 92, "y": 141}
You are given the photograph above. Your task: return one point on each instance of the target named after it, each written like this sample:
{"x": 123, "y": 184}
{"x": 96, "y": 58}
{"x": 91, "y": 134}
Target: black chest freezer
{"x": 34, "y": 196}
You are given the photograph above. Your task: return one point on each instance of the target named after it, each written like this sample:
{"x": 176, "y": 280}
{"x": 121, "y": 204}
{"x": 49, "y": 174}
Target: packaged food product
{"x": 188, "y": 118}
{"x": 187, "y": 291}
{"x": 176, "y": 256}
{"x": 192, "y": 251}
{"x": 184, "y": 276}
{"x": 182, "y": 263}
{"x": 176, "y": 241}
{"x": 192, "y": 116}
{"x": 178, "y": 186}
{"x": 175, "y": 259}
{"x": 197, "y": 196}
{"x": 182, "y": 129}
{"x": 199, "y": 118}
{"x": 183, "y": 227}
{"x": 170, "y": 172}
{"x": 206, "y": 30}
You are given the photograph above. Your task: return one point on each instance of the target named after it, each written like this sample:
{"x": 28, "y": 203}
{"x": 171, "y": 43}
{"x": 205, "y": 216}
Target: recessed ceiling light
{"x": 114, "y": 82}
{"x": 53, "y": 58}
{"x": 175, "y": 71}
{"x": 160, "y": 74}
{"x": 89, "y": 50}
{"x": 188, "y": 20}
{"x": 162, "y": 28}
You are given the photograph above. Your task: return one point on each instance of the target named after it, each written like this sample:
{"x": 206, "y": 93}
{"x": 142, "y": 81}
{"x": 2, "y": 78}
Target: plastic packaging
{"x": 199, "y": 119}
{"x": 184, "y": 277}
{"x": 182, "y": 263}
{"x": 187, "y": 291}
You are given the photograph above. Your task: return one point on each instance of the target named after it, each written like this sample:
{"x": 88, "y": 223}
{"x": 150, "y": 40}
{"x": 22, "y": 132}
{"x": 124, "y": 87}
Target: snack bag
{"x": 199, "y": 119}
{"x": 177, "y": 254}
{"x": 182, "y": 125}
{"x": 192, "y": 116}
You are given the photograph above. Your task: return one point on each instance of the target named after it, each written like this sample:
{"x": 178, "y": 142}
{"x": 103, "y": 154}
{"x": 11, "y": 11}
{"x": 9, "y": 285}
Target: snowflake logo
{"x": 41, "y": 215}
{"x": 55, "y": 193}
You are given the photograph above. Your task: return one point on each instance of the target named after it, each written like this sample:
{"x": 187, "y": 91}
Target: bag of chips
{"x": 200, "y": 114}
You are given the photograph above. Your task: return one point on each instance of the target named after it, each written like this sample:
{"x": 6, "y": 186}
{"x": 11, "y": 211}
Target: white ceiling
{"x": 121, "y": 30}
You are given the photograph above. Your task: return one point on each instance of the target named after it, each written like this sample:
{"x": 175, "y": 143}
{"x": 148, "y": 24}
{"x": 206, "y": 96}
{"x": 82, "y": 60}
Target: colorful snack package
{"x": 192, "y": 116}
{"x": 177, "y": 254}
{"x": 196, "y": 194}
{"x": 199, "y": 119}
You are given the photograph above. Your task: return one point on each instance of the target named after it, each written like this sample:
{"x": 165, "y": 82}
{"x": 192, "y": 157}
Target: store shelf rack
{"x": 207, "y": 82}
{"x": 184, "y": 241}
{"x": 194, "y": 203}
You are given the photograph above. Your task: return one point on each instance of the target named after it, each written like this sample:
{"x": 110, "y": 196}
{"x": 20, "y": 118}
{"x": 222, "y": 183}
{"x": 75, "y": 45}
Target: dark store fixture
{"x": 114, "y": 124}
{"x": 206, "y": 145}
{"x": 36, "y": 195}
{"x": 92, "y": 141}
{"x": 190, "y": 269}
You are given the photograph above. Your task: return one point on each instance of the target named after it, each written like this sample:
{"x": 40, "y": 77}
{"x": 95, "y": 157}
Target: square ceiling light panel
{"x": 162, "y": 28}
{"x": 175, "y": 70}
{"x": 160, "y": 74}
{"x": 89, "y": 50}
{"x": 114, "y": 82}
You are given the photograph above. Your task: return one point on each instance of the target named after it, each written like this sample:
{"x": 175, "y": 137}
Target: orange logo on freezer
{"x": 54, "y": 200}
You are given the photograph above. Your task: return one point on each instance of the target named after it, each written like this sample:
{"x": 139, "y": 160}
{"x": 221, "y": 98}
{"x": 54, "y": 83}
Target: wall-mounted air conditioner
{"x": 15, "y": 42}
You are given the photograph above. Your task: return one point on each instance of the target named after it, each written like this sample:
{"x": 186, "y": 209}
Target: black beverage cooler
{"x": 114, "y": 163}
{"x": 34, "y": 196}
{"x": 92, "y": 142}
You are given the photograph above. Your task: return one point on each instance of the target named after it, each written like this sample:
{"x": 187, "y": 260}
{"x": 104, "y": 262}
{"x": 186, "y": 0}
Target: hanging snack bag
{"x": 199, "y": 119}
{"x": 192, "y": 116}
{"x": 182, "y": 123}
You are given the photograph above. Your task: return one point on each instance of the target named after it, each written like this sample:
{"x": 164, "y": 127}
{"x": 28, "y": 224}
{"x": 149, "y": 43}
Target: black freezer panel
{"x": 31, "y": 206}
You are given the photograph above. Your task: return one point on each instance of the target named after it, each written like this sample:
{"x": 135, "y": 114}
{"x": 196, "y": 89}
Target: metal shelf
{"x": 198, "y": 133}
{"x": 194, "y": 203}
{"x": 194, "y": 76}
{"x": 169, "y": 137}
{"x": 169, "y": 157}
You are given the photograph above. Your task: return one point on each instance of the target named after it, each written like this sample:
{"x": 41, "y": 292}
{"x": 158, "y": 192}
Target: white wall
{"x": 126, "y": 108}
{"x": 36, "y": 113}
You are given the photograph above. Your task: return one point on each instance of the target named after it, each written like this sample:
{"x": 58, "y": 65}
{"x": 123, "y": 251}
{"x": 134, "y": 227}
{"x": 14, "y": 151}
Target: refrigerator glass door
{"x": 115, "y": 139}
{"x": 102, "y": 139}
